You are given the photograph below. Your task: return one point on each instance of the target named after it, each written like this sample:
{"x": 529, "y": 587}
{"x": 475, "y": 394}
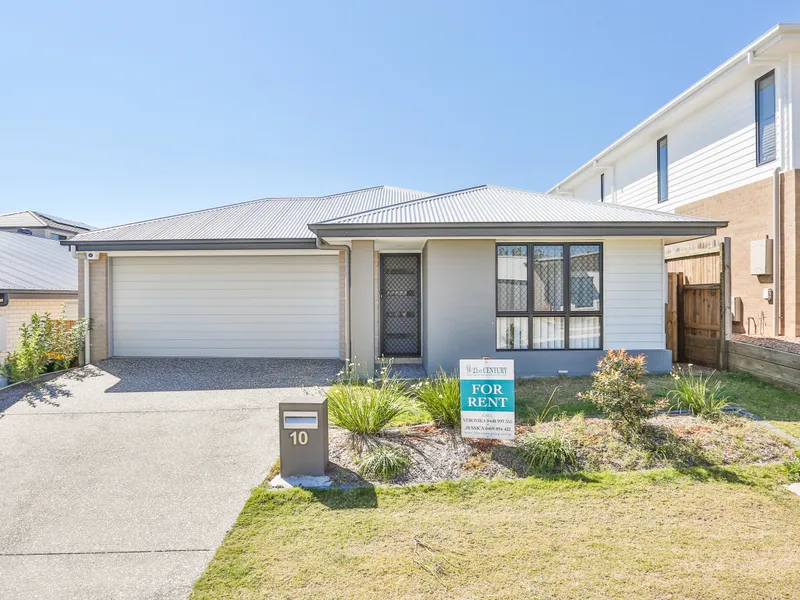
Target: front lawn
{"x": 711, "y": 533}
{"x": 780, "y": 406}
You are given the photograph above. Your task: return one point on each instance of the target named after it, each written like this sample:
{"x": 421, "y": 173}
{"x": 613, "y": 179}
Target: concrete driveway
{"x": 120, "y": 481}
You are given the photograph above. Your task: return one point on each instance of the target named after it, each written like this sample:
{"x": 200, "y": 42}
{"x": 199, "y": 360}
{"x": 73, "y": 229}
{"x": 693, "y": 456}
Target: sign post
{"x": 487, "y": 399}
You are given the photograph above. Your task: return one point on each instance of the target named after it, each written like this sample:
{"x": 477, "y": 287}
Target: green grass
{"x": 780, "y": 406}
{"x": 652, "y": 534}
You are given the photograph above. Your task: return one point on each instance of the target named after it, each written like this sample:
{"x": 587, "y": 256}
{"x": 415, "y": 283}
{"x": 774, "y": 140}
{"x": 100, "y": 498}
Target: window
{"x": 765, "y": 118}
{"x": 661, "y": 155}
{"x": 602, "y": 187}
{"x": 549, "y": 296}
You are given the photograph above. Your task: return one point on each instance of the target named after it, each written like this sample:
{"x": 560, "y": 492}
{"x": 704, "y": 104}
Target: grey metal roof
{"x": 34, "y": 264}
{"x": 264, "y": 219}
{"x": 28, "y": 219}
{"x": 493, "y": 204}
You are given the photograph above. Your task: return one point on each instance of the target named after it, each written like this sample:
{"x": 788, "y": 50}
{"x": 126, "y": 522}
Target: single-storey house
{"x": 37, "y": 275}
{"x": 549, "y": 281}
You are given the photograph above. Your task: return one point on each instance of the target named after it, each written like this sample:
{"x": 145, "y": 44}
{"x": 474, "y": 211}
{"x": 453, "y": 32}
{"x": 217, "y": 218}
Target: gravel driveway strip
{"x": 120, "y": 480}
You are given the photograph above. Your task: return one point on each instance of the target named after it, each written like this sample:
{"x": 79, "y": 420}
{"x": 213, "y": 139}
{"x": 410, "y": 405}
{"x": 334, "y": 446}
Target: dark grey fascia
{"x": 255, "y": 244}
{"x": 33, "y": 294}
{"x": 700, "y": 229}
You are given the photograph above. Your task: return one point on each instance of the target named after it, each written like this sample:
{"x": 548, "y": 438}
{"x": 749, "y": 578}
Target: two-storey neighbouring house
{"x": 31, "y": 222}
{"x": 727, "y": 148}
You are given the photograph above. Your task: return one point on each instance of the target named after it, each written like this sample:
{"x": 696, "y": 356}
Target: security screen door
{"x": 400, "y": 304}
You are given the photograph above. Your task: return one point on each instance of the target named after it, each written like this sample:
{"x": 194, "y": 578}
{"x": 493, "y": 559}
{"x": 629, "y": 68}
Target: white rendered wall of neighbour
{"x": 19, "y": 310}
{"x": 711, "y": 146}
{"x": 794, "y": 126}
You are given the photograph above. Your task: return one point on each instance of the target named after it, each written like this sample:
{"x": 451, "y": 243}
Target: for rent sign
{"x": 487, "y": 399}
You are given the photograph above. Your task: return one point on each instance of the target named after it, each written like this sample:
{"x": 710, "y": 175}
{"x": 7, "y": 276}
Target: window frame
{"x": 759, "y": 160}
{"x": 659, "y": 168}
{"x": 602, "y": 187}
{"x": 529, "y": 313}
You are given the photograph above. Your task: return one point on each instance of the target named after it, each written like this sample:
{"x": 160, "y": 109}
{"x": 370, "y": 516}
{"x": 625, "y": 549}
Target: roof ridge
{"x": 244, "y": 203}
{"x": 403, "y": 203}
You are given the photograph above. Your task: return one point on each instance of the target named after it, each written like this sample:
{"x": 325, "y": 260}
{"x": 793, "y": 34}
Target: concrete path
{"x": 120, "y": 481}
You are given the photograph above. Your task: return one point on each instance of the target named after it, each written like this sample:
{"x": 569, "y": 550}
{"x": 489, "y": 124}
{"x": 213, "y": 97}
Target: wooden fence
{"x": 774, "y": 366}
{"x": 698, "y": 304}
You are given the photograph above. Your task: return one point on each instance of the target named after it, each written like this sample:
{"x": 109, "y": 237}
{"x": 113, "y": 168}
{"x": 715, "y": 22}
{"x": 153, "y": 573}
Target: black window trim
{"x": 658, "y": 167}
{"x": 529, "y": 313}
{"x": 760, "y": 162}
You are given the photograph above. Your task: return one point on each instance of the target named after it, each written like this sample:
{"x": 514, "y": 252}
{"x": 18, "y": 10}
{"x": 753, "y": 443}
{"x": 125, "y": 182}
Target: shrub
{"x": 547, "y": 453}
{"x": 383, "y": 462}
{"x": 365, "y": 408}
{"x": 793, "y": 468}
{"x": 32, "y": 347}
{"x": 617, "y": 391}
{"x": 695, "y": 392}
{"x": 441, "y": 397}
{"x": 9, "y": 368}
{"x": 66, "y": 340}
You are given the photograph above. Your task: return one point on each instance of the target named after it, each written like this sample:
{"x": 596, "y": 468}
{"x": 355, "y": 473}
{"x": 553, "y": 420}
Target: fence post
{"x": 726, "y": 318}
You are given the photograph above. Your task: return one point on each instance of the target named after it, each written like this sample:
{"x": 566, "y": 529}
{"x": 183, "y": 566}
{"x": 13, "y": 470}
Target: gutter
{"x": 322, "y": 245}
{"x": 561, "y": 229}
{"x": 240, "y": 244}
{"x": 747, "y": 54}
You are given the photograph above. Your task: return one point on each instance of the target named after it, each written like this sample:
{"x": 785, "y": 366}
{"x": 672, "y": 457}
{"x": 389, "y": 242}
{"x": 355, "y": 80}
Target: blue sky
{"x": 115, "y": 111}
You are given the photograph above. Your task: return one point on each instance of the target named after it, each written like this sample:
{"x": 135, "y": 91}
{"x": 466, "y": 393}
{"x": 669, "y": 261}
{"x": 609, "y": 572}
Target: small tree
{"x": 617, "y": 391}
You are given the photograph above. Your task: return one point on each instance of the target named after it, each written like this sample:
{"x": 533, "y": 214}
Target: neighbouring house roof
{"x": 28, "y": 219}
{"x": 492, "y": 210}
{"x": 34, "y": 264}
{"x": 274, "y": 219}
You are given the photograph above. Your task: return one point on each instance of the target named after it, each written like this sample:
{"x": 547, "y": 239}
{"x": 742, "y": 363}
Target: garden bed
{"x": 667, "y": 441}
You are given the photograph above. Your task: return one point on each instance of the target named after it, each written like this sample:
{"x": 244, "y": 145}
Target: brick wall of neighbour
{"x": 19, "y": 311}
{"x": 98, "y": 283}
{"x": 748, "y": 209}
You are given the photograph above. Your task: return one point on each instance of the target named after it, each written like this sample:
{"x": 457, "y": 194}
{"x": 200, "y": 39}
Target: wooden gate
{"x": 698, "y": 303}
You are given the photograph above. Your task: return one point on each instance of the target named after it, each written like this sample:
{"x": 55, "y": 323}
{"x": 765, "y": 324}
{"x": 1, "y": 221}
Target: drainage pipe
{"x": 346, "y": 249}
{"x": 776, "y": 252}
{"x": 87, "y": 308}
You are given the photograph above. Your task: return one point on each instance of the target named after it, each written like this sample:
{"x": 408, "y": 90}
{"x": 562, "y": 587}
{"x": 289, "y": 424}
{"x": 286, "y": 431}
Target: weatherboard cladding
{"x": 268, "y": 218}
{"x": 491, "y": 204}
{"x": 34, "y": 264}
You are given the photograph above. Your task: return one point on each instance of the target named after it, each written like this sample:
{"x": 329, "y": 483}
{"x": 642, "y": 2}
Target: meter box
{"x": 303, "y": 429}
{"x": 761, "y": 257}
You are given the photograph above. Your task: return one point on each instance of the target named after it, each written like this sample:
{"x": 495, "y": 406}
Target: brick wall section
{"x": 19, "y": 311}
{"x": 748, "y": 210}
{"x": 98, "y": 283}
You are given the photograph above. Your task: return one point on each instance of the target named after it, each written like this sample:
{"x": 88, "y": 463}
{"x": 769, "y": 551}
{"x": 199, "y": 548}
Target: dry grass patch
{"x": 729, "y": 533}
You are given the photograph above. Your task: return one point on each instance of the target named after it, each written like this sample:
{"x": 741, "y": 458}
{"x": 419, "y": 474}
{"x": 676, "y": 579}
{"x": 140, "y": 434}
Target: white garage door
{"x": 266, "y": 306}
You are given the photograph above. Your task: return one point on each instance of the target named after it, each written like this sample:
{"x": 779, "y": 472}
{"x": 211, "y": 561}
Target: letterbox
{"x": 303, "y": 429}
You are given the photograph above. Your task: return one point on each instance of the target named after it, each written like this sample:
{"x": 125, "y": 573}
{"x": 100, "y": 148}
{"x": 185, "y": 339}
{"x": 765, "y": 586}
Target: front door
{"x": 400, "y": 305}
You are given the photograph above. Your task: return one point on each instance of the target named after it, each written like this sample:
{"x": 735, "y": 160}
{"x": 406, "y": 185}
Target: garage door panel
{"x": 248, "y": 306}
